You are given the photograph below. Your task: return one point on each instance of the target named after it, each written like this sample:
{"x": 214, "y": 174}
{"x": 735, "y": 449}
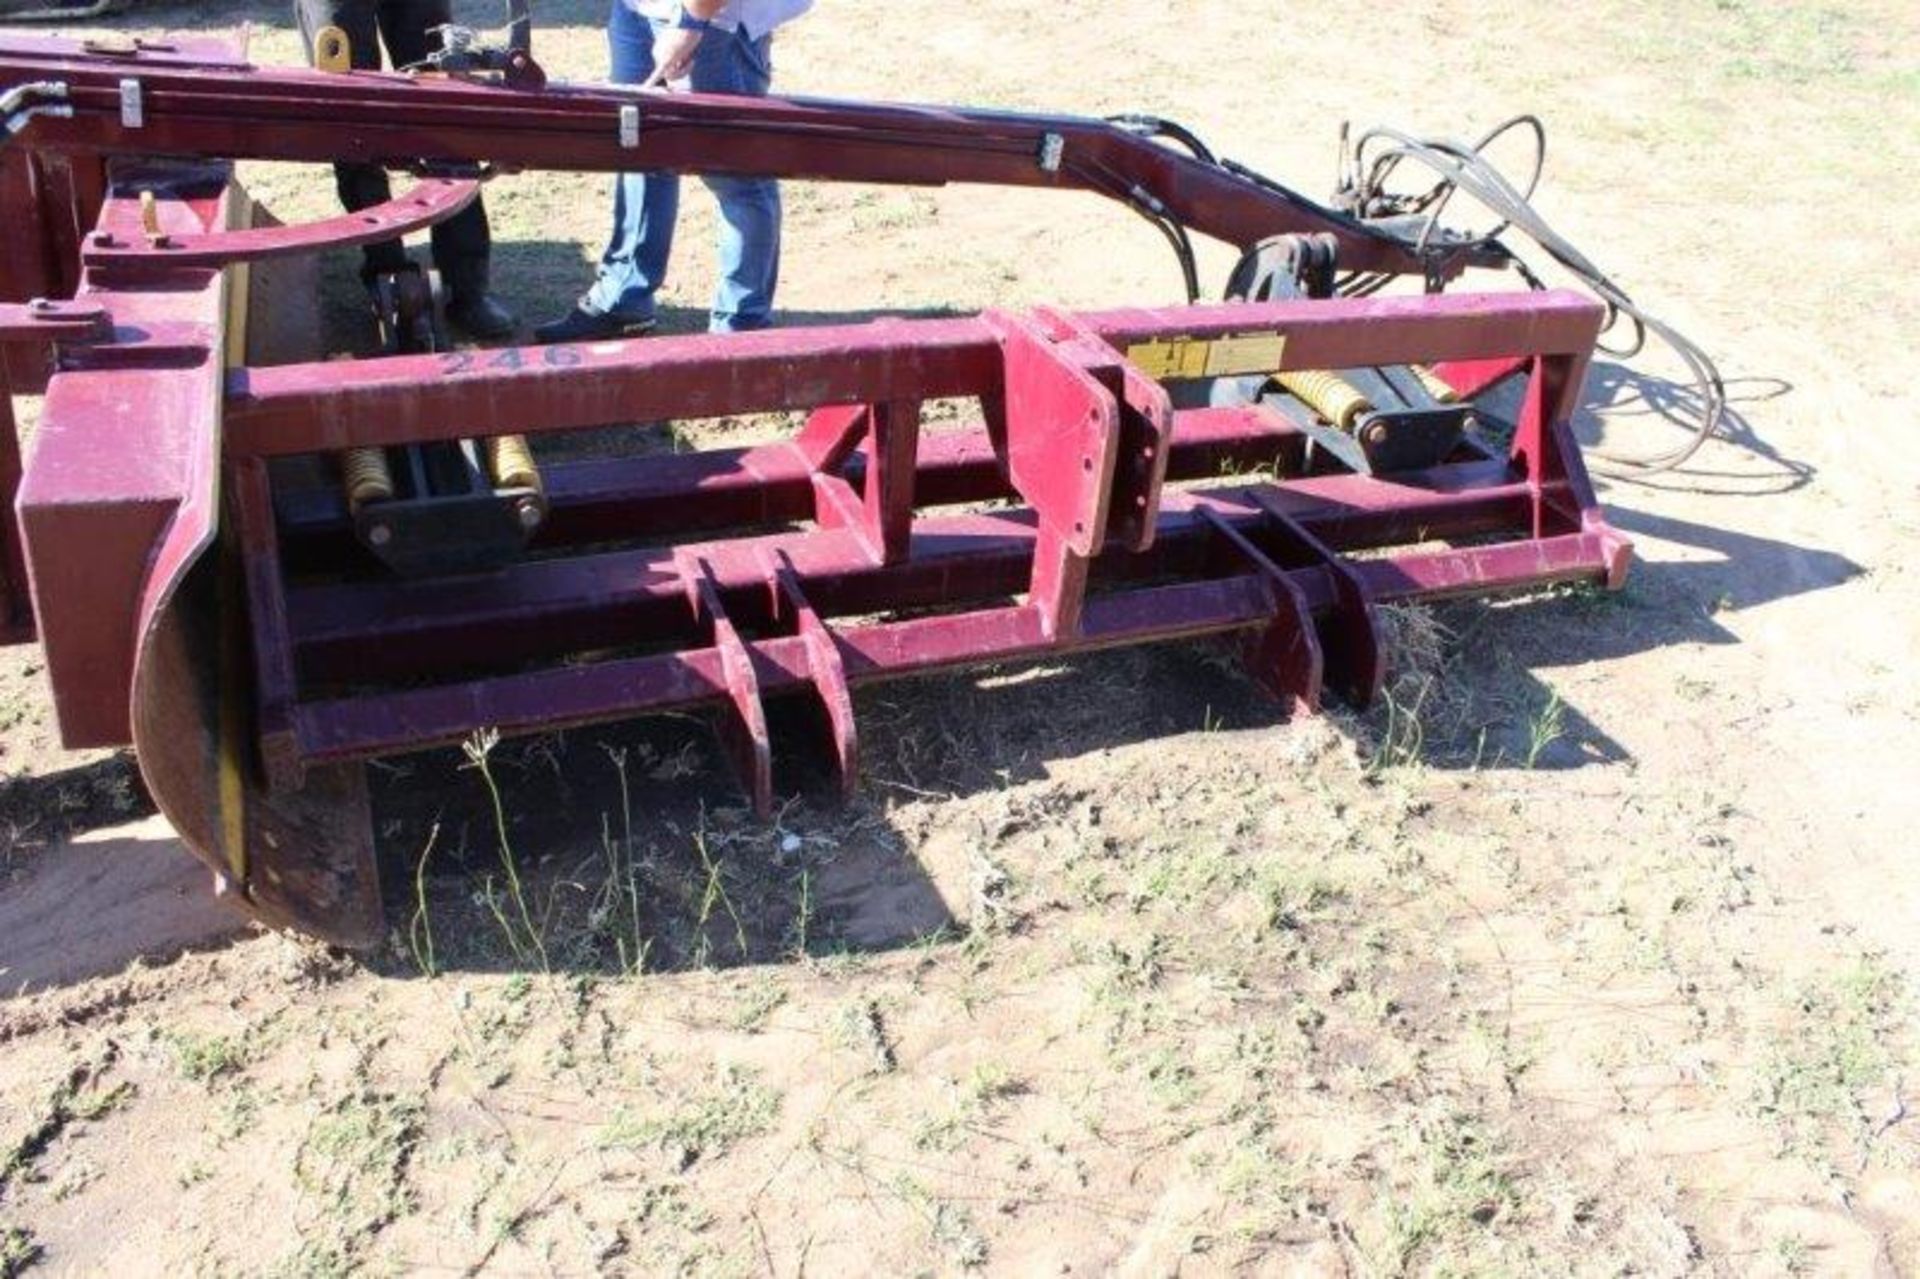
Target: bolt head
{"x": 380, "y": 535}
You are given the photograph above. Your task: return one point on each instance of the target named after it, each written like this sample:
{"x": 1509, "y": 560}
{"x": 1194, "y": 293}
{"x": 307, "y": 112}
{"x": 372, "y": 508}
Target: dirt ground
{"x": 1595, "y": 953}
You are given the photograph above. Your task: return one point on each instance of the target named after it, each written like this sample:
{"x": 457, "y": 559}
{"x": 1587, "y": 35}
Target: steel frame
{"x": 1082, "y": 510}
{"x": 1073, "y": 431}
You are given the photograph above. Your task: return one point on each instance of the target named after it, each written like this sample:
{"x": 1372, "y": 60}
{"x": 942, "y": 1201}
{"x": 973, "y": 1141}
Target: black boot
{"x": 474, "y": 310}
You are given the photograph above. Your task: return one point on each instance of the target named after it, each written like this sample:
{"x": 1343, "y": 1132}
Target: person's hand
{"x": 673, "y": 51}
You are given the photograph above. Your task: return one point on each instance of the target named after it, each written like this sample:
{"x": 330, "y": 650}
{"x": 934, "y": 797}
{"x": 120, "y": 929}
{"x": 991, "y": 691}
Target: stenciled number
{"x": 511, "y": 359}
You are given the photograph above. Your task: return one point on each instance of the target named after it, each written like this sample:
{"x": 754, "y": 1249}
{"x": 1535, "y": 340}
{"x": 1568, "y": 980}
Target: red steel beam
{"x": 201, "y": 101}
{"x": 430, "y": 201}
{"x": 397, "y": 721}
{"x": 324, "y": 407}
{"x": 386, "y": 629}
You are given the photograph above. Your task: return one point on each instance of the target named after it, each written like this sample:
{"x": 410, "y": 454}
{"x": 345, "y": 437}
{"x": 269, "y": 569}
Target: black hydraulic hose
{"x": 1465, "y": 169}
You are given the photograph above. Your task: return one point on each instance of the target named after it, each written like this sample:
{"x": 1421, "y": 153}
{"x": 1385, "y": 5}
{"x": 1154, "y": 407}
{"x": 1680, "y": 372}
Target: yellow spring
{"x": 365, "y": 477}
{"x": 511, "y": 462}
{"x": 1436, "y": 386}
{"x": 1328, "y": 394}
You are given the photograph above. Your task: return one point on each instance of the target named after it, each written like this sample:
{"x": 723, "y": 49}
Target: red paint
{"x": 807, "y": 567}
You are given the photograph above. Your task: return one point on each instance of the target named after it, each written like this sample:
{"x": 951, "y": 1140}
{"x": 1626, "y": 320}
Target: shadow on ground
{"x": 1634, "y": 413}
{"x": 1487, "y": 707}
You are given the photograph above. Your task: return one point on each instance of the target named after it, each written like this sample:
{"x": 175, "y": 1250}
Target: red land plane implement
{"x": 1270, "y": 468}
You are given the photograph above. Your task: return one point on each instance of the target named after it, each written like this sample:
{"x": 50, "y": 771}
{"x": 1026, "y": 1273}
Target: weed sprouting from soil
{"x": 1545, "y": 728}
{"x": 712, "y": 895}
{"x": 620, "y": 896}
{"x": 205, "y": 1058}
{"x": 526, "y": 938}
{"x": 420, "y": 926}
{"x": 79, "y": 1097}
{"x": 1415, "y": 651}
{"x": 1461, "y": 1185}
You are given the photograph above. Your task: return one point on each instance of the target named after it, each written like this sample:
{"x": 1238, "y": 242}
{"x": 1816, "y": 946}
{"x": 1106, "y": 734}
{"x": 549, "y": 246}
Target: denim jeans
{"x": 646, "y": 205}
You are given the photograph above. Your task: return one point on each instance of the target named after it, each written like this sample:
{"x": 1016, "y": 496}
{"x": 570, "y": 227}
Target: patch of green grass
{"x": 736, "y": 1107}
{"x": 1263, "y": 1188}
{"x": 950, "y": 1226}
{"x": 860, "y": 1029}
{"x": 355, "y": 1162}
{"x": 756, "y": 1004}
{"x": 205, "y": 1058}
{"x": 1170, "y": 1077}
{"x": 239, "y": 1111}
{"x": 1459, "y": 1190}
{"x": 78, "y": 1098}
{"x": 974, "y": 1100}
{"x": 1793, "y": 1254}
{"x": 18, "y": 1250}
{"x": 1838, "y": 1042}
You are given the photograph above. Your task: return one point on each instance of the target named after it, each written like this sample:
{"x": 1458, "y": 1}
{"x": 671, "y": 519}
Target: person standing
{"x": 462, "y": 244}
{"x": 713, "y": 46}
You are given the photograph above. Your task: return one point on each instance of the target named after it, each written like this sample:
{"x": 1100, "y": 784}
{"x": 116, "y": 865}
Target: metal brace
{"x": 1053, "y": 148}
{"x": 133, "y": 112}
{"x": 630, "y": 126}
{"x": 462, "y": 50}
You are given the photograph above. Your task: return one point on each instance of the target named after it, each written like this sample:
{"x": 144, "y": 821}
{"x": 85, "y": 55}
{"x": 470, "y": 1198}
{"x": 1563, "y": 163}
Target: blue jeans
{"x": 646, "y": 205}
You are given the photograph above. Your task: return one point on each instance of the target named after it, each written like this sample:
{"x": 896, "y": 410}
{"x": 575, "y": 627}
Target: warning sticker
{"x": 1171, "y": 359}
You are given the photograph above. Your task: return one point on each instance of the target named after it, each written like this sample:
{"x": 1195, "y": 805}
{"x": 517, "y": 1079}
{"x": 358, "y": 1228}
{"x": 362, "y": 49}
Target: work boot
{"x": 482, "y": 316}
{"x": 472, "y": 308}
{"x": 584, "y": 325}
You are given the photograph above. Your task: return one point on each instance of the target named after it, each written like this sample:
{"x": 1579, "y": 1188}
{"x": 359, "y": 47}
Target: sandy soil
{"x": 1111, "y": 970}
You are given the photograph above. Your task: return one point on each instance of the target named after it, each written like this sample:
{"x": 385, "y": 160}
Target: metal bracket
{"x": 1356, "y": 660}
{"x": 743, "y": 720}
{"x": 1053, "y": 149}
{"x": 1285, "y": 658}
{"x": 630, "y": 126}
{"x": 43, "y": 320}
{"x": 825, "y": 667}
{"x": 133, "y": 111}
{"x": 431, "y": 201}
{"x": 462, "y": 50}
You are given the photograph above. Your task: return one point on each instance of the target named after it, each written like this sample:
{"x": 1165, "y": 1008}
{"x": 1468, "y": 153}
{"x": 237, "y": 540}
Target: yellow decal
{"x": 1173, "y": 359}
{"x": 1245, "y": 353}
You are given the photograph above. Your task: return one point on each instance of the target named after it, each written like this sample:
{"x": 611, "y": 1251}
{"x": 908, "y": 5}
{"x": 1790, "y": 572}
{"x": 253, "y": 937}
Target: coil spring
{"x": 365, "y": 476}
{"x": 511, "y": 461}
{"x": 1328, "y": 394}
{"x": 1436, "y": 386}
